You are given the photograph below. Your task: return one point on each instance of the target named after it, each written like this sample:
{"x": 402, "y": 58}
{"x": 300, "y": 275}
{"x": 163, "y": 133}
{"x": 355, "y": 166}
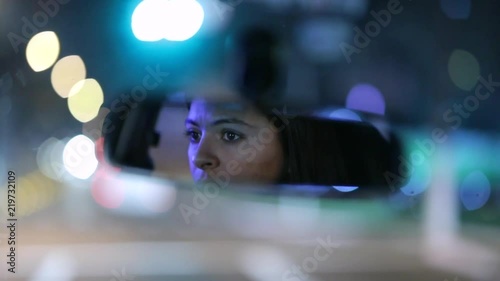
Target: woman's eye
{"x": 230, "y": 136}
{"x": 193, "y": 136}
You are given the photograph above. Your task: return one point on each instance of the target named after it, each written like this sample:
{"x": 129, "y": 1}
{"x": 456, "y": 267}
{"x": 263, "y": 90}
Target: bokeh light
{"x": 85, "y": 100}
{"x": 49, "y": 159}
{"x": 24, "y": 193}
{"x": 183, "y": 19}
{"x": 174, "y": 20}
{"x": 419, "y": 180}
{"x": 147, "y": 20}
{"x": 456, "y": 9}
{"x": 464, "y": 69}
{"x": 344, "y": 114}
{"x": 79, "y": 157}
{"x": 217, "y": 14}
{"x": 42, "y": 50}
{"x": 34, "y": 192}
{"x": 107, "y": 190}
{"x": 475, "y": 190}
{"x": 345, "y": 188}
{"x": 366, "y": 98}
{"x": 132, "y": 194}
{"x": 66, "y": 73}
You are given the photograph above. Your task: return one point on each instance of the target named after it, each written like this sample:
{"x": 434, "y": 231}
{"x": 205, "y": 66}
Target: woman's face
{"x": 232, "y": 142}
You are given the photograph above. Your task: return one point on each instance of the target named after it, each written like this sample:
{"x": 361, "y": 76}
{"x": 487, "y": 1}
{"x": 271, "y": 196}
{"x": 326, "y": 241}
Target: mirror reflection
{"x": 235, "y": 141}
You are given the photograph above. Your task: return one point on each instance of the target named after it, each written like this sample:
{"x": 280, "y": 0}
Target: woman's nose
{"x": 205, "y": 157}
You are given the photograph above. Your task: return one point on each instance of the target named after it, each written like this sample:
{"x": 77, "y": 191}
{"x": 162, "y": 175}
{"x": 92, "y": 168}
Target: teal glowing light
{"x": 173, "y": 20}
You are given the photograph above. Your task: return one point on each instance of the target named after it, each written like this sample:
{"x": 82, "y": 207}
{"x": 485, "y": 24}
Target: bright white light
{"x": 79, "y": 157}
{"x": 147, "y": 20}
{"x": 174, "y": 20}
{"x": 184, "y": 20}
{"x": 42, "y": 50}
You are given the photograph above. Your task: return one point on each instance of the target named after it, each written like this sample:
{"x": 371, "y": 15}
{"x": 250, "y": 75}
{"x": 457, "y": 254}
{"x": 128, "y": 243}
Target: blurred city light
{"x": 217, "y": 14}
{"x": 42, "y": 50}
{"x": 456, "y": 9}
{"x": 474, "y": 150}
{"x": 346, "y": 188}
{"x": 132, "y": 194}
{"x": 367, "y": 98}
{"x": 49, "y": 159}
{"x": 79, "y": 157}
{"x": 147, "y": 20}
{"x": 344, "y": 114}
{"x": 475, "y": 190}
{"x": 419, "y": 180}
{"x": 107, "y": 190}
{"x": 464, "y": 69}
{"x": 173, "y": 20}
{"x": 34, "y": 192}
{"x": 66, "y": 73}
{"x": 85, "y": 100}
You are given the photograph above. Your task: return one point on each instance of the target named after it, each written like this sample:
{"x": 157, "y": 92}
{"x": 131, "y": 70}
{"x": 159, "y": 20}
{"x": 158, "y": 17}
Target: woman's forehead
{"x": 229, "y": 106}
{"x": 209, "y": 110}
{"x": 217, "y": 108}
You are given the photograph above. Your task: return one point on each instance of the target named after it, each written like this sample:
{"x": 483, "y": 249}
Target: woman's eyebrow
{"x": 192, "y": 122}
{"x": 221, "y": 121}
{"x": 231, "y": 121}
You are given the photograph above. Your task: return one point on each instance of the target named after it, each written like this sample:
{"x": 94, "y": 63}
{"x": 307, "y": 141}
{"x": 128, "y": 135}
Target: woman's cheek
{"x": 234, "y": 154}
